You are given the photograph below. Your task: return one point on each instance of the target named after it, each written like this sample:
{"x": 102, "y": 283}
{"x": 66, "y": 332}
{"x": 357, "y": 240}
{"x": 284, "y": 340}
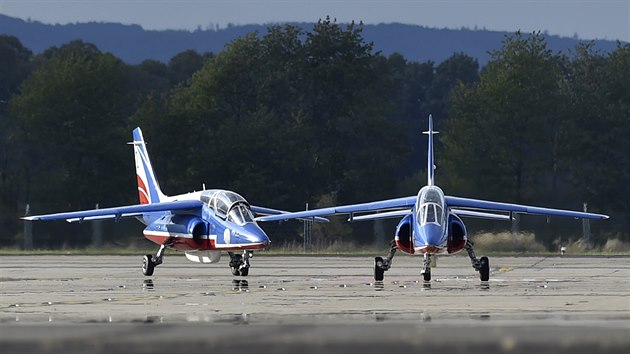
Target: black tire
{"x": 147, "y": 265}
{"x": 484, "y": 269}
{"x": 426, "y": 276}
{"x": 244, "y": 272}
{"x": 378, "y": 269}
{"x": 235, "y": 264}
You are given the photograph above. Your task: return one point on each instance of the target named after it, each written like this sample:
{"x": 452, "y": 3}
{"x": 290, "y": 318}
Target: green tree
{"x": 457, "y": 69}
{"x": 618, "y": 94}
{"x": 183, "y": 65}
{"x": 423, "y": 89}
{"x": 70, "y": 118}
{"x": 358, "y": 147}
{"x": 287, "y": 117}
{"x": 600, "y": 125}
{"x": 148, "y": 77}
{"x": 503, "y": 135}
{"x": 15, "y": 65}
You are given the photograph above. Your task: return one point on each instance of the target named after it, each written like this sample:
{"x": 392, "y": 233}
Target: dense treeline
{"x": 291, "y": 117}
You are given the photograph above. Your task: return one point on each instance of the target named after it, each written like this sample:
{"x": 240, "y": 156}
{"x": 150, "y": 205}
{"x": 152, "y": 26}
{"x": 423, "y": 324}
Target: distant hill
{"x": 133, "y": 44}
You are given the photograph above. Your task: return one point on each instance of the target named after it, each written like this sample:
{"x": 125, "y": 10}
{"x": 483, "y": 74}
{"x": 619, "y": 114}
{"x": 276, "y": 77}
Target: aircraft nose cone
{"x": 256, "y": 235}
{"x": 434, "y": 235}
{"x": 430, "y": 238}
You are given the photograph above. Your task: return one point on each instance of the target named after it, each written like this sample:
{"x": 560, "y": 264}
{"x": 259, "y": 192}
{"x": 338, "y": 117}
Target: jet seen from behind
{"x": 431, "y": 222}
{"x": 203, "y": 224}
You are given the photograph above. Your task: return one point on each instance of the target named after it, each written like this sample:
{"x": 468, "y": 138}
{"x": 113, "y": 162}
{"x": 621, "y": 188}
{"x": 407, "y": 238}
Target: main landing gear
{"x": 239, "y": 264}
{"x": 149, "y": 262}
{"x": 381, "y": 265}
{"x": 482, "y": 265}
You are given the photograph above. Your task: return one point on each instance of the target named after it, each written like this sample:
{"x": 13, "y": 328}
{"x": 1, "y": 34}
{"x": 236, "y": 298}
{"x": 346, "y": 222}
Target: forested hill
{"x": 133, "y": 44}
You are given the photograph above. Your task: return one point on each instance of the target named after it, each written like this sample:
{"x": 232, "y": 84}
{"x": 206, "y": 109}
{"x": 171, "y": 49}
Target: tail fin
{"x": 430, "y": 160}
{"x": 148, "y": 187}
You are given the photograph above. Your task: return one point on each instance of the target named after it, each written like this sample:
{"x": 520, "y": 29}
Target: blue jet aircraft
{"x": 431, "y": 222}
{"x": 202, "y": 224}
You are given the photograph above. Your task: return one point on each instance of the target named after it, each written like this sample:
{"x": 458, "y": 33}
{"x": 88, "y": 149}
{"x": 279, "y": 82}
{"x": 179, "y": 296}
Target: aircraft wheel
{"x": 378, "y": 269}
{"x": 147, "y": 265}
{"x": 426, "y": 276}
{"x": 484, "y": 269}
{"x": 235, "y": 264}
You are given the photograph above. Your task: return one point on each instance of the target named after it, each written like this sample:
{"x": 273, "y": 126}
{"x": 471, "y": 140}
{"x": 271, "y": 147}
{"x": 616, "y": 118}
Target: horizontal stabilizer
{"x": 383, "y": 215}
{"x": 268, "y": 211}
{"x": 479, "y": 214}
{"x": 104, "y": 217}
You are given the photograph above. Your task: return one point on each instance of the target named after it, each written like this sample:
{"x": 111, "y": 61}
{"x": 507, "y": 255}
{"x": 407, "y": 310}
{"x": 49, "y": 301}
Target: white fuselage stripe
{"x": 169, "y": 234}
{"x": 203, "y": 237}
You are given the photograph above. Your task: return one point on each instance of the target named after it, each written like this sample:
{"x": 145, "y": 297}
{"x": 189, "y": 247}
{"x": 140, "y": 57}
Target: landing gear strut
{"x": 149, "y": 262}
{"x": 381, "y": 265}
{"x": 239, "y": 264}
{"x": 482, "y": 265}
{"x": 426, "y": 267}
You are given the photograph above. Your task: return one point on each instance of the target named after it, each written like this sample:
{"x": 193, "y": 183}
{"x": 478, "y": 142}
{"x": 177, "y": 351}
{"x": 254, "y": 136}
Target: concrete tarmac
{"x": 104, "y": 304}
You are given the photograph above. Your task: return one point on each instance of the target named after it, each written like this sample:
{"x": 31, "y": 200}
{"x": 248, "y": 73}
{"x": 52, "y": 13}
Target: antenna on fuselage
{"x": 430, "y": 161}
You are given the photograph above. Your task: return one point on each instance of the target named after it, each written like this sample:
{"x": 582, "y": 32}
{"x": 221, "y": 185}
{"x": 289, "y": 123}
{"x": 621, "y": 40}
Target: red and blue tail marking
{"x": 148, "y": 187}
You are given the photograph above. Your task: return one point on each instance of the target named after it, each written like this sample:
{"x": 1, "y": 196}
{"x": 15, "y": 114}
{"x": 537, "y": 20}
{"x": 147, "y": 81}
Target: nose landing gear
{"x": 239, "y": 264}
{"x": 426, "y": 267}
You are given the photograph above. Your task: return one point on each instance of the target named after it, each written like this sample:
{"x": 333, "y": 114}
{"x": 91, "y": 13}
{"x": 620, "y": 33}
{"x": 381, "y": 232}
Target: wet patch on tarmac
{"x": 280, "y": 291}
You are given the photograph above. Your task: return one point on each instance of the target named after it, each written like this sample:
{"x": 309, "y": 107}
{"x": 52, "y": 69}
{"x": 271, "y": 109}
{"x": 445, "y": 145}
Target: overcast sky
{"x": 589, "y": 19}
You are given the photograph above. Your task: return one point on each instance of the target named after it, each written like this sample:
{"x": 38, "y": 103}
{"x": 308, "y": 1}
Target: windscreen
{"x": 240, "y": 214}
{"x": 430, "y": 205}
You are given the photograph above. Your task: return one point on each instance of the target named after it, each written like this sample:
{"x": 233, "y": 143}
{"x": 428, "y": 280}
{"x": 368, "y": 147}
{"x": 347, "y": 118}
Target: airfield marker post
{"x": 97, "y": 232}
{"x": 516, "y": 219}
{"x": 586, "y": 231}
{"x": 308, "y": 227}
{"x": 28, "y": 230}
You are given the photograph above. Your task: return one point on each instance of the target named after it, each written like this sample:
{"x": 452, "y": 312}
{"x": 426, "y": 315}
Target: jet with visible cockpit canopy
{"x": 431, "y": 222}
{"x": 202, "y": 224}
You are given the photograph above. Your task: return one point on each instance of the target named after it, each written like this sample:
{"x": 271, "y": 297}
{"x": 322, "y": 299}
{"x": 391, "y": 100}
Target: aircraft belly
{"x": 429, "y": 249}
{"x": 185, "y": 242}
{"x": 177, "y": 241}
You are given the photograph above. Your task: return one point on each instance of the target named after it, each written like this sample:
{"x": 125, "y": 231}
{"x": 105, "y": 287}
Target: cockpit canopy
{"x": 430, "y": 205}
{"x": 227, "y": 204}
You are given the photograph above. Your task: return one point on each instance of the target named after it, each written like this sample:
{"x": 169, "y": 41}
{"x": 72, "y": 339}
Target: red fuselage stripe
{"x": 186, "y": 244}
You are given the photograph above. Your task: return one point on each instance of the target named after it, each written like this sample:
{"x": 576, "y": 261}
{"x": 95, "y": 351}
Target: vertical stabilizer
{"x": 430, "y": 161}
{"x": 148, "y": 187}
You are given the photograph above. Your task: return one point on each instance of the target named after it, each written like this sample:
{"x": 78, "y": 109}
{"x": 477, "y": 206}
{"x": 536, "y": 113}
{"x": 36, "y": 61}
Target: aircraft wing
{"x": 476, "y": 204}
{"x": 119, "y": 212}
{"x": 389, "y": 204}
